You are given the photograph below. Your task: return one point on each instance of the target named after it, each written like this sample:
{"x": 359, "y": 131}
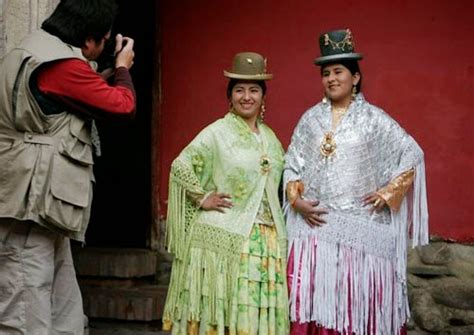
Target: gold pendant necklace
{"x": 328, "y": 145}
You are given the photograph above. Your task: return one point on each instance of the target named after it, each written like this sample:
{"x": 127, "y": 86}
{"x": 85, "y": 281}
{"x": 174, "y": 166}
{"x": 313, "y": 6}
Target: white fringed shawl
{"x": 351, "y": 273}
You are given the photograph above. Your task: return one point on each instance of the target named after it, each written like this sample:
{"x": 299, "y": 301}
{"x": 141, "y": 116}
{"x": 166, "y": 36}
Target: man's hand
{"x": 308, "y": 209}
{"x": 217, "y": 202}
{"x": 124, "y": 53}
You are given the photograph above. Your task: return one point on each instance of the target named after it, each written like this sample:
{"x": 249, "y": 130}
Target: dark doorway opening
{"x": 121, "y": 209}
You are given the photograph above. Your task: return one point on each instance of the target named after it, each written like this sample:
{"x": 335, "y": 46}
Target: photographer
{"x": 49, "y": 96}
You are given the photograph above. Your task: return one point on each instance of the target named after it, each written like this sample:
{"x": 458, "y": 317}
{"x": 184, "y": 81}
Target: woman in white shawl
{"x": 355, "y": 191}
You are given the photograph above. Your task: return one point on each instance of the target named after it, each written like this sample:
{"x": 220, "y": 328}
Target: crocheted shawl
{"x": 369, "y": 249}
{"x": 224, "y": 157}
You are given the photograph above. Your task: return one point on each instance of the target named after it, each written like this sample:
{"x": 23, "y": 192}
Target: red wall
{"x": 418, "y": 66}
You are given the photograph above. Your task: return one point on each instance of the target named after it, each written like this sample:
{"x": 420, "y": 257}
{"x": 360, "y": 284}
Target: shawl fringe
{"x": 201, "y": 297}
{"x": 181, "y": 210}
{"x": 344, "y": 289}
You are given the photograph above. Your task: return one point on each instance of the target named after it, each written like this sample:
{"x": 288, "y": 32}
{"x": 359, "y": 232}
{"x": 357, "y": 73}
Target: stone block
{"x": 430, "y": 270}
{"x": 453, "y": 292}
{"x": 426, "y": 313}
{"x": 437, "y": 253}
{"x": 415, "y": 281}
{"x": 464, "y": 252}
{"x": 418, "y": 332}
{"x": 462, "y": 269}
{"x": 460, "y": 317}
{"x": 467, "y": 330}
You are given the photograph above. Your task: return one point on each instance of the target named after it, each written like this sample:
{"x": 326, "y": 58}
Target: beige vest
{"x": 45, "y": 160}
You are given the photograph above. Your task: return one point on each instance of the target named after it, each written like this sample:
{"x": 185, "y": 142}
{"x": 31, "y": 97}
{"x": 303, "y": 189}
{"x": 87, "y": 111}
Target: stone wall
{"x": 441, "y": 289}
{"x": 20, "y": 17}
{"x": 2, "y": 28}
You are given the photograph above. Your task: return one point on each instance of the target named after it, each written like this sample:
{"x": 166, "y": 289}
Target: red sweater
{"x": 74, "y": 83}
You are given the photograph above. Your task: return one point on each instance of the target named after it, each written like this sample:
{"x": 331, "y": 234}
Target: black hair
{"x": 233, "y": 82}
{"x": 352, "y": 65}
{"x": 74, "y": 21}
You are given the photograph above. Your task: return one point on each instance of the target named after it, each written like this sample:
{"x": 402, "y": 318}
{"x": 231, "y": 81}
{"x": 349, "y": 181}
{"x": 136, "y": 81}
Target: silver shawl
{"x": 371, "y": 150}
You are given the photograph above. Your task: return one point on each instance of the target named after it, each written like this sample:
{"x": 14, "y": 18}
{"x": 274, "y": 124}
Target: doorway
{"x": 121, "y": 209}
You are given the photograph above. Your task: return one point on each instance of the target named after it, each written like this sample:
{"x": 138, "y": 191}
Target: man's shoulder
{"x": 47, "y": 47}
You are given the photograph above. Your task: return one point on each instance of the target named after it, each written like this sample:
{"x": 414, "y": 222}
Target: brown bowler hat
{"x": 249, "y": 66}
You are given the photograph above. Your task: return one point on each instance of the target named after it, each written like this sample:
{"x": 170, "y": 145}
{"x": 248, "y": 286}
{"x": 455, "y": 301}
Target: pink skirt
{"x": 312, "y": 328}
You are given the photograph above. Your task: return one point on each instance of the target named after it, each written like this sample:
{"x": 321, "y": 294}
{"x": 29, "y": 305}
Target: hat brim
{"x": 335, "y": 58}
{"x": 263, "y": 76}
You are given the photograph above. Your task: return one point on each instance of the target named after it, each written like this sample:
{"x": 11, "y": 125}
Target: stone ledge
{"x": 115, "y": 262}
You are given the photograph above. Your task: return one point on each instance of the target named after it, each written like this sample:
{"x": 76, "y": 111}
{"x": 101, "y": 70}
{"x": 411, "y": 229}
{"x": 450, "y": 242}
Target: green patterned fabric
{"x": 204, "y": 288}
{"x": 260, "y": 300}
{"x": 261, "y": 289}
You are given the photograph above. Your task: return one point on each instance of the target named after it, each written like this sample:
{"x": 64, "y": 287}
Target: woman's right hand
{"x": 311, "y": 214}
{"x": 217, "y": 202}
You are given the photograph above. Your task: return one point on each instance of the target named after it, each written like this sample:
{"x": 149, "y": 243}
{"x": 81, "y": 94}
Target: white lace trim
{"x": 367, "y": 236}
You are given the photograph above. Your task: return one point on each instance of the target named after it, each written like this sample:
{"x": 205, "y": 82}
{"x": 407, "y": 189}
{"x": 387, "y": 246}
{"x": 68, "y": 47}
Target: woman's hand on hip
{"x": 217, "y": 202}
{"x": 376, "y": 201}
{"x": 310, "y": 212}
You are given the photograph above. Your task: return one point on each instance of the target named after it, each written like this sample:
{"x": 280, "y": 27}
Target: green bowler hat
{"x": 336, "y": 45}
{"x": 249, "y": 66}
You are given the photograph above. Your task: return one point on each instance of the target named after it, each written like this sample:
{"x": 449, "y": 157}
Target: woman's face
{"x": 247, "y": 97}
{"x": 338, "y": 82}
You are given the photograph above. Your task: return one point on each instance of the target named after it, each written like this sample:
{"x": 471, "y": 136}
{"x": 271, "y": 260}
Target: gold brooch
{"x": 346, "y": 42}
{"x": 265, "y": 164}
{"x": 328, "y": 145}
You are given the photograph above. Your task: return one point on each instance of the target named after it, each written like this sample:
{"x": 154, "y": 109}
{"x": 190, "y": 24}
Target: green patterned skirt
{"x": 259, "y": 301}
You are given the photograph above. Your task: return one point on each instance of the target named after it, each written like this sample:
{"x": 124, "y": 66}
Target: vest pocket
{"x": 67, "y": 203}
{"x": 77, "y": 146}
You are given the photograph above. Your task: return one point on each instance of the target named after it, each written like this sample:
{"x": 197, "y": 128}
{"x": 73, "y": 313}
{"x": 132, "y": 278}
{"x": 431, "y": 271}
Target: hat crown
{"x": 337, "y": 45}
{"x": 248, "y": 65}
{"x": 336, "y": 42}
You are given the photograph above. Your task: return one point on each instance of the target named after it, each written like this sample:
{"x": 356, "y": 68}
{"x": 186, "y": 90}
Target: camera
{"x": 107, "y": 57}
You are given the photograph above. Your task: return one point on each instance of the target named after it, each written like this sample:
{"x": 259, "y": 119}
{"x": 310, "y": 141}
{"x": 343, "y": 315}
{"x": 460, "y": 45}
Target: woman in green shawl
{"x": 225, "y": 225}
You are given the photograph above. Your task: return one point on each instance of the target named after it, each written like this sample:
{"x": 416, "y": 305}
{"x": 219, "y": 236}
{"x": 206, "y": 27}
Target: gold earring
{"x": 354, "y": 92}
{"x": 262, "y": 111}
{"x": 231, "y": 107}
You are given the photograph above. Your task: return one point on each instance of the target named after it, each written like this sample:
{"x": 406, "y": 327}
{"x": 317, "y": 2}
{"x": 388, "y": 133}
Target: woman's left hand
{"x": 376, "y": 201}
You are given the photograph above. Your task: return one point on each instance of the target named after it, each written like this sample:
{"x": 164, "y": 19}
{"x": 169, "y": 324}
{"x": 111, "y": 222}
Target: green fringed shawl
{"x": 225, "y": 157}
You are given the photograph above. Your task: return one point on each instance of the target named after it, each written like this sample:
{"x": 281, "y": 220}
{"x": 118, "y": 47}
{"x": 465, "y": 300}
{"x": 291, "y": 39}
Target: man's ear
{"x": 88, "y": 45}
{"x": 89, "y": 42}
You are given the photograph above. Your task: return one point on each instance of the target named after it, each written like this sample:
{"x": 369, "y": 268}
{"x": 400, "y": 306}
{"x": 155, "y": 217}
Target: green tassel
{"x": 175, "y": 223}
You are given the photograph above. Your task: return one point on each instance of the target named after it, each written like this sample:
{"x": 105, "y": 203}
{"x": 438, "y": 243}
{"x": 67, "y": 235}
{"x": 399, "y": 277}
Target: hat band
{"x": 336, "y": 57}
{"x": 257, "y": 76}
